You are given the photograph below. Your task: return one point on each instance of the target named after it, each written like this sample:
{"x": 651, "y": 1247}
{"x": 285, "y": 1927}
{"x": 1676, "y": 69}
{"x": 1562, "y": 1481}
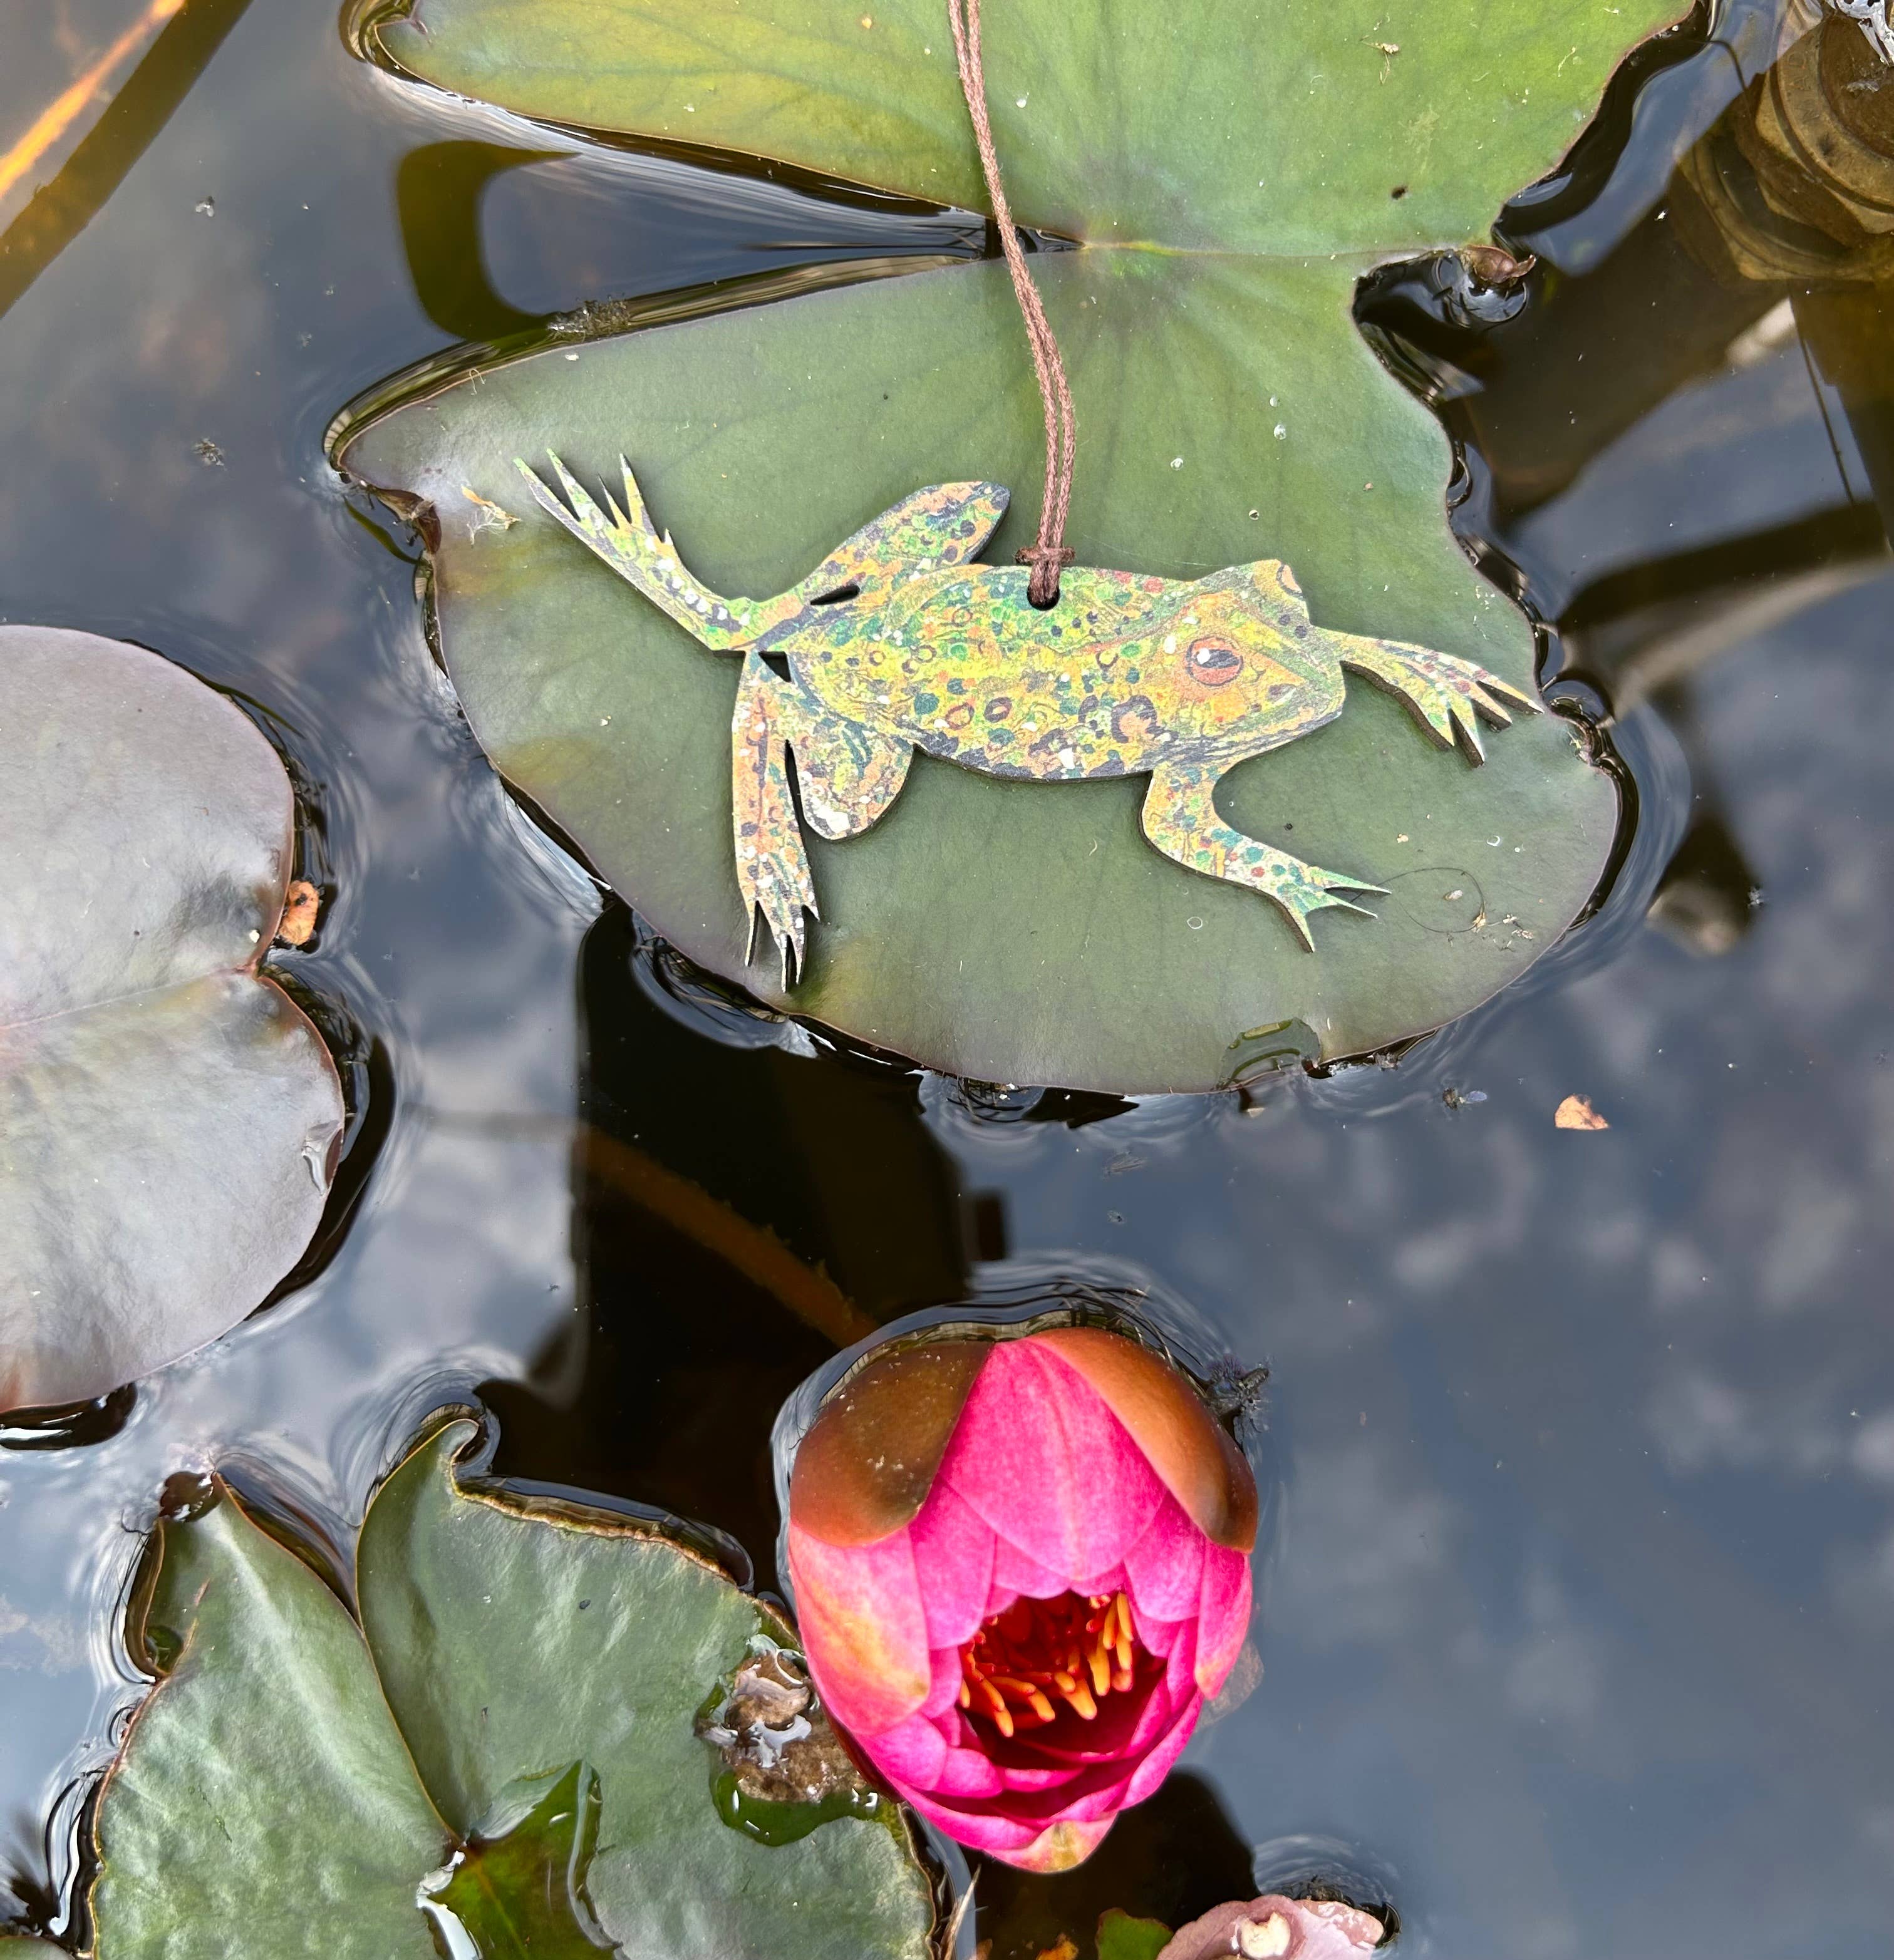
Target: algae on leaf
{"x": 504, "y": 1749}
{"x": 1229, "y": 173}
{"x": 518, "y": 1890}
{"x": 168, "y": 1116}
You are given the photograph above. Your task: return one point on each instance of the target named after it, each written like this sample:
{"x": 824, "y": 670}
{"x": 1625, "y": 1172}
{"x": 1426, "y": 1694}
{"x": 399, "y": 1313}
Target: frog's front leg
{"x": 1449, "y": 695}
{"x": 1180, "y": 817}
{"x": 848, "y": 776}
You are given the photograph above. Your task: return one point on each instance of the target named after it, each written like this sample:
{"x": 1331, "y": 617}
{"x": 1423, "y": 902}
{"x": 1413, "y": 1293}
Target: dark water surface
{"x": 1577, "y": 1615}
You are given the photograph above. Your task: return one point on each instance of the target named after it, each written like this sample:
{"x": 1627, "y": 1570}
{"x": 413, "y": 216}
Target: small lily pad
{"x": 168, "y": 1116}
{"x": 504, "y": 1748}
{"x": 1121, "y": 1936}
{"x": 1228, "y": 176}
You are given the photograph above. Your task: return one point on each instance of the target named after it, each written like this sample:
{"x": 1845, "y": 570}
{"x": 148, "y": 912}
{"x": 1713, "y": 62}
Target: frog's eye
{"x": 1287, "y": 579}
{"x": 1213, "y": 662}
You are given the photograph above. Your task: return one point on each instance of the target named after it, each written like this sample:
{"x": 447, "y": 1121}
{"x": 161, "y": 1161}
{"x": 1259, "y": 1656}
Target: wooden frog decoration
{"x": 898, "y": 641}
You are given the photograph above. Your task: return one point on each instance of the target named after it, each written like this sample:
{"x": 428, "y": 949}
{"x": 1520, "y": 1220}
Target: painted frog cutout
{"x": 898, "y": 641}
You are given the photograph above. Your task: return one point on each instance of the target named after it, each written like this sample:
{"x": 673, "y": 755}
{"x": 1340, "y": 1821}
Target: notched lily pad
{"x": 169, "y": 1118}
{"x": 1230, "y": 175}
{"x": 518, "y": 1891}
{"x": 503, "y": 1749}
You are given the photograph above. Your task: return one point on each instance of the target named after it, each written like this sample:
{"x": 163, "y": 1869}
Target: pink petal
{"x": 1164, "y": 1570}
{"x": 863, "y": 1627}
{"x": 1042, "y": 1460}
{"x": 1060, "y": 1846}
{"x": 1020, "y": 1780}
{"x": 1180, "y": 1664}
{"x": 985, "y": 1830}
{"x": 1223, "y": 1617}
{"x": 914, "y": 1755}
{"x": 1014, "y": 1573}
{"x": 911, "y": 1751}
{"x": 1169, "y": 1747}
{"x": 1159, "y": 1713}
{"x": 954, "y": 1549}
{"x": 968, "y": 1773}
{"x": 1095, "y": 1584}
{"x": 1035, "y": 1845}
{"x": 944, "y": 1690}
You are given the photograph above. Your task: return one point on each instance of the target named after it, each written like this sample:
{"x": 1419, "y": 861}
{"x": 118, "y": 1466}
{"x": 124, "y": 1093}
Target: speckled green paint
{"x": 898, "y": 640}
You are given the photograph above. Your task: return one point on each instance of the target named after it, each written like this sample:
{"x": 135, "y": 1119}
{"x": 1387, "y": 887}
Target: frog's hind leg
{"x": 631, "y": 545}
{"x": 848, "y": 776}
{"x": 1180, "y": 817}
{"x": 1448, "y": 695}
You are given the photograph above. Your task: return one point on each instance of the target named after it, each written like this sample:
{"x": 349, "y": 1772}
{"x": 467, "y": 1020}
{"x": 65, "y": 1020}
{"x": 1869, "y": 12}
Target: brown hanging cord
{"x": 1049, "y": 556}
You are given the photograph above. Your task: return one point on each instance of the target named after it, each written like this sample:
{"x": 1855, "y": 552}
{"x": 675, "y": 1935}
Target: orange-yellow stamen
{"x": 1077, "y": 1649}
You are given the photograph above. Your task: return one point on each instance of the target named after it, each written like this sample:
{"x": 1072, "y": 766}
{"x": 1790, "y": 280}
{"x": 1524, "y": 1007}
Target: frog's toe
{"x": 787, "y": 931}
{"x": 1463, "y": 694}
{"x": 1482, "y": 686}
{"x": 1302, "y": 889}
{"x": 778, "y": 894}
{"x": 1451, "y": 696}
{"x": 1328, "y": 900}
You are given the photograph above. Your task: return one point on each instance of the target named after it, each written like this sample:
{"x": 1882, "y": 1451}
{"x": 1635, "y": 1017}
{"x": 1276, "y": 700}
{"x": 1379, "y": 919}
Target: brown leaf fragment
{"x": 301, "y": 905}
{"x": 1494, "y": 266}
{"x": 1064, "y": 1948}
{"x": 1576, "y": 1113}
{"x": 775, "y": 1738}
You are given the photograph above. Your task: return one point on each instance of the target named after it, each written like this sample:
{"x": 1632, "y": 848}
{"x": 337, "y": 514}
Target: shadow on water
{"x": 61, "y": 208}
{"x": 1577, "y": 1614}
{"x": 1168, "y": 1855}
{"x": 807, "y": 1202}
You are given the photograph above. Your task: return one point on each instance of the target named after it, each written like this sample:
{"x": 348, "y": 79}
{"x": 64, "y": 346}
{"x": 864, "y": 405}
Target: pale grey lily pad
{"x": 168, "y": 1116}
{"x": 1231, "y": 174}
{"x": 313, "y": 1779}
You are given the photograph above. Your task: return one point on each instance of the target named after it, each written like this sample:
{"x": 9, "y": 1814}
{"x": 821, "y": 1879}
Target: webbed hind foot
{"x": 1180, "y": 817}
{"x": 1449, "y": 695}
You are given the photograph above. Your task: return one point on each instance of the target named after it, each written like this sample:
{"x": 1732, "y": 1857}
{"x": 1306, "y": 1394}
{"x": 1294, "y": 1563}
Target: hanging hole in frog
{"x": 898, "y": 640}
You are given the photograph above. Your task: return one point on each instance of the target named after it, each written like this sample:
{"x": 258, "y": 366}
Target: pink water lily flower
{"x": 1020, "y": 1567}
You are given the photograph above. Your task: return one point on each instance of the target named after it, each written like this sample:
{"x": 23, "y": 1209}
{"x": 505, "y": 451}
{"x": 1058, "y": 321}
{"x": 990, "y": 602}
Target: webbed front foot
{"x": 773, "y": 866}
{"x": 774, "y": 880}
{"x": 1180, "y": 817}
{"x": 1449, "y": 695}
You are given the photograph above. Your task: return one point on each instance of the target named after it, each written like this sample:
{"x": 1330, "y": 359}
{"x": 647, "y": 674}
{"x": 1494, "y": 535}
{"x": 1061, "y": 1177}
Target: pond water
{"x": 1576, "y": 1596}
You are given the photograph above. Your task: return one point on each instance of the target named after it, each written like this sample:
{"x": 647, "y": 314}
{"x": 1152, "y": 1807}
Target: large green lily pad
{"x": 1230, "y": 172}
{"x": 168, "y": 1116}
{"x": 510, "y": 1728}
